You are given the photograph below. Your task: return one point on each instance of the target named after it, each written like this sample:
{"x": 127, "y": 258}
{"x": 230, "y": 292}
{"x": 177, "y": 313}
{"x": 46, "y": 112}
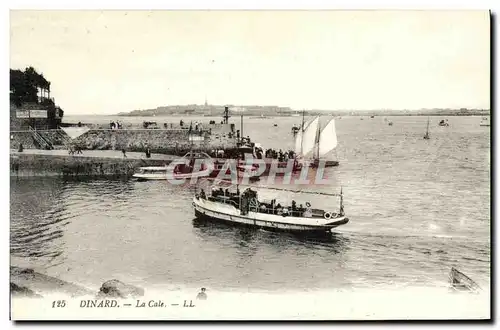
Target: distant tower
{"x": 206, "y": 102}
{"x": 226, "y": 115}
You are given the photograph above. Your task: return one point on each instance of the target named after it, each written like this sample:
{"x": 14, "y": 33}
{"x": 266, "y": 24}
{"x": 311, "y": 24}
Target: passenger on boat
{"x": 285, "y": 212}
{"x": 294, "y": 205}
{"x": 202, "y": 194}
{"x": 273, "y": 203}
{"x": 300, "y": 210}
{"x": 308, "y": 211}
{"x": 280, "y": 156}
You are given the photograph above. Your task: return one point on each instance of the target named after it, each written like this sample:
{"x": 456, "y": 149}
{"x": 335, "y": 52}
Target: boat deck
{"x": 267, "y": 209}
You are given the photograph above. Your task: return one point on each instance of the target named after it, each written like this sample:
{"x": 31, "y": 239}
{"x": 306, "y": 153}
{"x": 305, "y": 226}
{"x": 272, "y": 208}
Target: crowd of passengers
{"x": 259, "y": 153}
{"x": 280, "y": 155}
{"x": 271, "y": 208}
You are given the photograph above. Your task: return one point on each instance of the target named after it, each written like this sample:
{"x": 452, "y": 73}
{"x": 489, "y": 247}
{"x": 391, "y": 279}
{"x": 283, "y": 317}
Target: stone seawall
{"x": 91, "y": 163}
{"x": 167, "y": 141}
{"x": 159, "y": 141}
{"x": 22, "y": 137}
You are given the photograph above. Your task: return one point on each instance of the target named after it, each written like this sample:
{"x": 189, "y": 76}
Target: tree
{"x": 24, "y": 85}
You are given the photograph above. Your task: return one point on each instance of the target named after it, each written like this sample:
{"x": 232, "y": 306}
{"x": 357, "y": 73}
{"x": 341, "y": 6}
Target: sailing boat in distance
{"x": 426, "y": 136}
{"x": 313, "y": 141}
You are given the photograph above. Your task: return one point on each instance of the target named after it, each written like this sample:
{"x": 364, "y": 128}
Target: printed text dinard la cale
{"x": 113, "y": 303}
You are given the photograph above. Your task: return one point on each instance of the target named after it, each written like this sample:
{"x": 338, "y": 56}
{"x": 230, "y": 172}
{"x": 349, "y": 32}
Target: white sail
{"x": 310, "y": 136}
{"x": 327, "y": 139}
{"x": 299, "y": 136}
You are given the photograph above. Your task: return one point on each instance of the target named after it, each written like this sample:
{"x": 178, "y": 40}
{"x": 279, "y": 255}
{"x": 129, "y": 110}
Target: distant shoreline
{"x": 308, "y": 113}
{"x": 215, "y": 110}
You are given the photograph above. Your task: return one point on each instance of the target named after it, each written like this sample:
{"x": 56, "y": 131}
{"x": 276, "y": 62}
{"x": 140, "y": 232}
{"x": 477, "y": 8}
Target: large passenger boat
{"x": 245, "y": 208}
{"x": 248, "y": 162}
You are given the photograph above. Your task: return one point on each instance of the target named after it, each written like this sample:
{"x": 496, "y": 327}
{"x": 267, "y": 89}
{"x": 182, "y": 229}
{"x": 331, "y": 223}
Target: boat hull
{"x": 257, "y": 220}
{"x": 328, "y": 163}
{"x": 174, "y": 176}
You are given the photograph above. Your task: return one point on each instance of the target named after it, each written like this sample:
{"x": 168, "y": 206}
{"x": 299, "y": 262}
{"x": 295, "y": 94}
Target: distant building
{"x": 35, "y": 115}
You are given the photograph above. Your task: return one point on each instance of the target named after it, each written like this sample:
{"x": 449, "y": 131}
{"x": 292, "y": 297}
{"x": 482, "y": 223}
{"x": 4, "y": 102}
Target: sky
{"x": 105, "y": 62}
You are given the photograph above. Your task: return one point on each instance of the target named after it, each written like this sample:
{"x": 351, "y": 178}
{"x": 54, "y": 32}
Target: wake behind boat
{"x": 247, "y": 209}
{"x": 461, "y": 282}
{"x": 427, "y": 136}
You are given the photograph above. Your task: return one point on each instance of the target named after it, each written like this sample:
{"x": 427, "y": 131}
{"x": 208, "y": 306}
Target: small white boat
{"x": 184, "y": 170}
{"x": 485, "y": 122}
{"x": 152, "y": 173}
{"x": 166, "y": 173}
{"x": 246, "y": 209}
{"x": 444, "y": 123}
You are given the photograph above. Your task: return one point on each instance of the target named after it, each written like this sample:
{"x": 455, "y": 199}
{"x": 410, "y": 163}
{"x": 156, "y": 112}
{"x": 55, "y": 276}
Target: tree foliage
{"x": 24, "y": 85}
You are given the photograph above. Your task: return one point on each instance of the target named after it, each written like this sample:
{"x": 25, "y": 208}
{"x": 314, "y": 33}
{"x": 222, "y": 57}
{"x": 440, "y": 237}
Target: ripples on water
{"x": 416, "y": 208}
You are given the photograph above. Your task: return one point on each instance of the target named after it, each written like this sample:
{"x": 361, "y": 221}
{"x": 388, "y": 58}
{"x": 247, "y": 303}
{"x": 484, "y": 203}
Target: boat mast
{"x": 302, "y": 135}
{"x": 241, "y": 129}
{"x": 341, "y": 202}
{"x": 191, "y": 152}
{"x": 190, "y": 137}
{"x": 318, "y": 134}
{"x": 427, "y": 127}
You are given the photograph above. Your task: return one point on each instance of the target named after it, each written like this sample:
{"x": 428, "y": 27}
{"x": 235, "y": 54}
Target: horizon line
{"x": 309, "y": 110}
